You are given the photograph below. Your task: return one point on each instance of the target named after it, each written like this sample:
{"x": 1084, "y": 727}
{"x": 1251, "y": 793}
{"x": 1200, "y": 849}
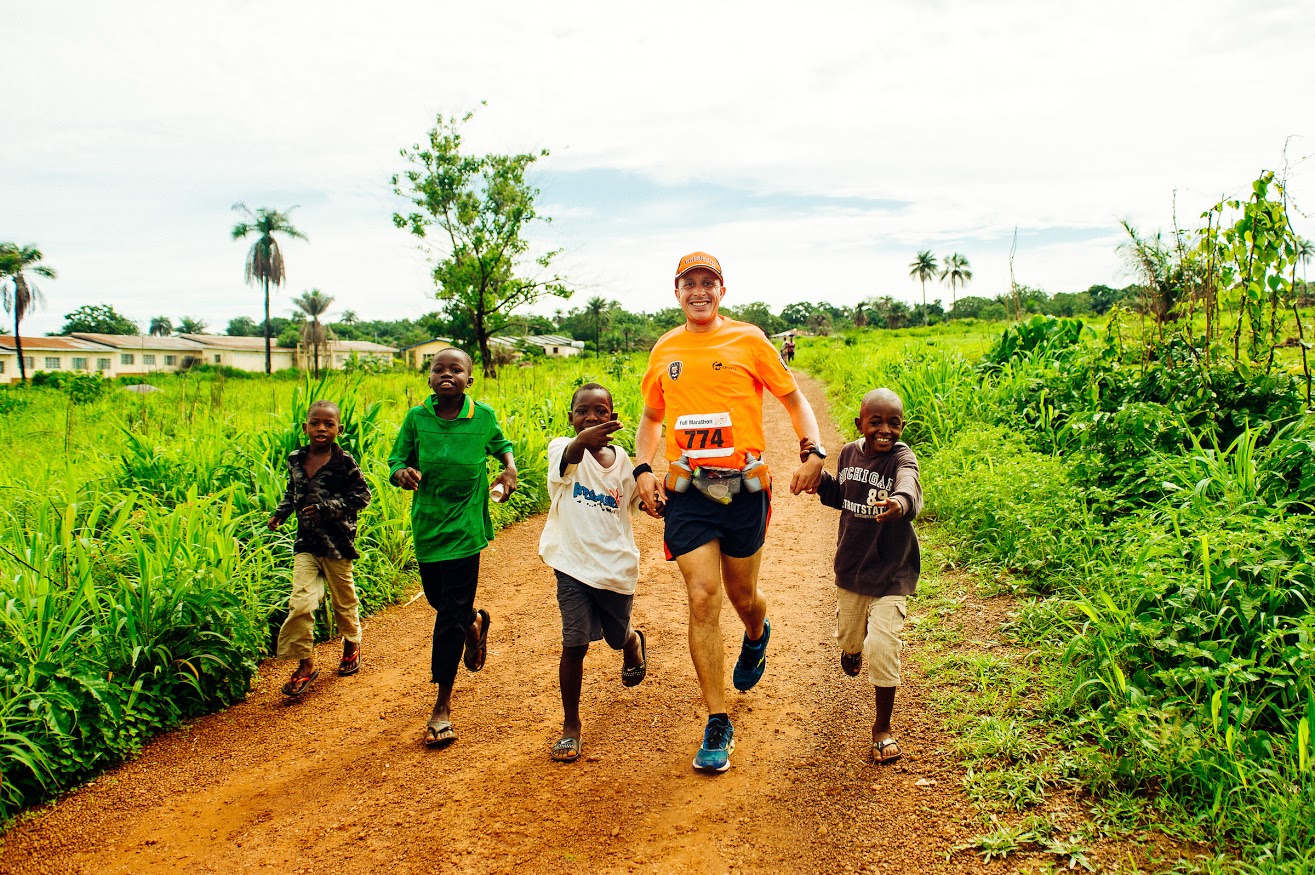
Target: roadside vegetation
{"x": 139, "y": 585}
{"x": 1145, "y": 488}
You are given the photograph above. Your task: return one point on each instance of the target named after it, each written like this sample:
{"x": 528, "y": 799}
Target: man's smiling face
{"x": 699, "y": 292}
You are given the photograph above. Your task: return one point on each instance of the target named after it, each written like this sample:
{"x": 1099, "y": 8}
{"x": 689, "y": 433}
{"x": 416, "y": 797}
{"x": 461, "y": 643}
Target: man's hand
{"x": 407, "y": 478}
{"x": 310, "y": 511}
{"x": 652, "y": 496}
{"x": 807, "y": 476}
{"x": 274, "y": 523}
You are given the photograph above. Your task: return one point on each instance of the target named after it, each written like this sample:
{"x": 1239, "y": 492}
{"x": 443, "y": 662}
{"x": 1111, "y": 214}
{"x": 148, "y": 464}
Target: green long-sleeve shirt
{"x": 450, "y": 510}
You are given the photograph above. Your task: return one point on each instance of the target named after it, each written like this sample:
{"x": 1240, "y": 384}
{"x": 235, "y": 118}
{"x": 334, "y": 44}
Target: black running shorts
{"x": 693, "y": 520}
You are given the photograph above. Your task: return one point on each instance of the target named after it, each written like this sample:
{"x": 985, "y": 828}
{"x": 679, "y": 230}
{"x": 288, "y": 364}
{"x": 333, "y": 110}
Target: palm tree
{"x": 955, "y": 274}
{"x": 597, "y": 307}
{"x": 161, "y": 326}
{"x": 188, "y": 325}
{"x": 265, "y": 259}
{"x": 923, "y": 268}
{"x": 24, "y": 296}
{"x": 313, "y": 304}
{"x": 1304, "y": 253}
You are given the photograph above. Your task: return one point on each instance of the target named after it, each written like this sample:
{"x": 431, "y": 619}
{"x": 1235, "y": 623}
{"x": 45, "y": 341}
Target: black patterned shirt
{"x": 339, "y": 492}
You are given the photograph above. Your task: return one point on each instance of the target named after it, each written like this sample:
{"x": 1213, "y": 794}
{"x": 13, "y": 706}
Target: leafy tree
{"x": 923, "y": 268}
{"x": 161, "y": 326}
{"x": 98, "y": 319}
{"x": 20, "y": 296}
{"x": 886, "y": 312}
{"x": 265, "y": 258}
{"x": 480, "y": 205}
{"x": 796, "y": 315}
{"x": 1103, "y": 297}
{"x": 973, "y": 307}
{"x": 349, "y": 317}
{"x": 243, "y": 326}
{"x": 189, "y": 325}
{"x": 1069, "y": 304}
{"x": 757, "y": 313}
{"x": 928, "y": 314}
{"x": 314, "y": 304}
{"x": 956, "y": 273}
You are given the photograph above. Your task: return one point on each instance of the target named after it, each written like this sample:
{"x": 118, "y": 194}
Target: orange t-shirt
{"x": 710, "y": 386}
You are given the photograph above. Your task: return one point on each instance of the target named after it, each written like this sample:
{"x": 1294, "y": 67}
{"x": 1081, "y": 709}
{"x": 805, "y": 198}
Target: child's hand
{"x": 507, "y": 480}
{"x": 407, "y": 478}
{"x": 894, "y": 510}
{"x": 598, "y": 436}
{"x": 274, "y": 523}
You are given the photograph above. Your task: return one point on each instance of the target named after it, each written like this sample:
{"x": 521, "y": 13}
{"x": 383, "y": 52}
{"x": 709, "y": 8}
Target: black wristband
{"x": 645, "y": 468}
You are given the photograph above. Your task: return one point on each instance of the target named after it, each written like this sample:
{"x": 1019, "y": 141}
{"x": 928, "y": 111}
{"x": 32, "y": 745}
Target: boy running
{"x": 588, "y": 541}
{"x": 326, "y": 491}
{"x": 440, "y": 454}
{"x": 878, "y": 494}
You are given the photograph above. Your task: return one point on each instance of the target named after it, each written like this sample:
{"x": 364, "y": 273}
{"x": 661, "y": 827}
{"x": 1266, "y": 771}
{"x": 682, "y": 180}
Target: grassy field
{"x": 1152, "y": 512}
{"x": 139, "y": 583}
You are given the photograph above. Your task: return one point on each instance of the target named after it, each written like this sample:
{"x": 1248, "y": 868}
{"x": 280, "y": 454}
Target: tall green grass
{"x": 1157, "y": 505}
{"x": 139, "y": 585}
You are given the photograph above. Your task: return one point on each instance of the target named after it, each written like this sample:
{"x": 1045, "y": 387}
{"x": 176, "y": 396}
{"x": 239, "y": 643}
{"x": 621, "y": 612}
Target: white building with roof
{"x": 146, "y": 354}
{"x": 55, "y": 354}
{"x": 243, "y": 353}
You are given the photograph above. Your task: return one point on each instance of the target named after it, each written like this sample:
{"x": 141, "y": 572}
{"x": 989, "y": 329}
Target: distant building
{"x": 243, "y": 353}
{"x": 552, "y": 344}
{"x": 418, "y": 355}
{"x": 55, "y": 354}
{"x": 335, "y": 354}
{"x": 145, "y": 354}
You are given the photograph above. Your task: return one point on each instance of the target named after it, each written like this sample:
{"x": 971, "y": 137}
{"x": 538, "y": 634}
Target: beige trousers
{"x": 872, "y": 626}
{"x": 309, "y": 575}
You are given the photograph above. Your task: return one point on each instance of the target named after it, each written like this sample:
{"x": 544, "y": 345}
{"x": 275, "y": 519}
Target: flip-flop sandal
{"x": 633, "y": 676}
{"x": 298, "y": 685}
{"x": 442, "y": 734}
{"x": 349, "y": 666}
{"x": 474, "y": 656}
{"x": 851, "y": 663}
{"x": 566, "y": 750}
{"x": 879, "y": 755}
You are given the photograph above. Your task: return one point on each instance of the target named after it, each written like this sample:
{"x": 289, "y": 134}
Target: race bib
{"x": 705, "y": 435}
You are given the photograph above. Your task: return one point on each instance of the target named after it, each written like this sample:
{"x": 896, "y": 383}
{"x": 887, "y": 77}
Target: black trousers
{"x": 450, "y": 590}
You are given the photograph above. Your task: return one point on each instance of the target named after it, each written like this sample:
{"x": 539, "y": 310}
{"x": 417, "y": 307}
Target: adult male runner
{"x": 705, "y": 380}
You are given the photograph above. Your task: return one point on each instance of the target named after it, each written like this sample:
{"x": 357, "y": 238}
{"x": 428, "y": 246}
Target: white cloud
{"x": 141, "y": 124}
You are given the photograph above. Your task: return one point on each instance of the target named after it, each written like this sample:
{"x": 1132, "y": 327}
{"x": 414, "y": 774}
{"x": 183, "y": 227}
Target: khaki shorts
{"x": 872, "y": 626}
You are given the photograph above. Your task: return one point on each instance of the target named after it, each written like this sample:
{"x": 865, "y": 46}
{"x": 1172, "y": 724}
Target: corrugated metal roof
{"x": 245, "y": 344}
{"x": 141, "y": 341}
{"x": 52, "y": 344}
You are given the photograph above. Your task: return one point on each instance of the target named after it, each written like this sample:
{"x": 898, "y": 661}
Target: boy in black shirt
{"x": 877, "y": 491}
{"x": 326, "y": 491}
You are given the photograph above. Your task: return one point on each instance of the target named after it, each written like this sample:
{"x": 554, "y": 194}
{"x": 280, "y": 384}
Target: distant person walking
{"x": 787, "y": 350}
{"x": 705, "y": 381}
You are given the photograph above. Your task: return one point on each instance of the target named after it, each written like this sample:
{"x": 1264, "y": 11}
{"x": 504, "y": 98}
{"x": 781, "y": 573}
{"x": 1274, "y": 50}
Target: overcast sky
{"x": 812, "y": 147}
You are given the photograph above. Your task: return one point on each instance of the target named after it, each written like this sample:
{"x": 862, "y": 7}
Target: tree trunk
{"x": 482, "y": 338}
{"x": 18, "y": 343}
{"x": 268, "y": 357}
{"x": 924, "y": 302}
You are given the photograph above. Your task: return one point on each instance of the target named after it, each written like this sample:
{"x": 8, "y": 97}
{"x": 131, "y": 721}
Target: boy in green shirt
{"x": 439, "y": 454}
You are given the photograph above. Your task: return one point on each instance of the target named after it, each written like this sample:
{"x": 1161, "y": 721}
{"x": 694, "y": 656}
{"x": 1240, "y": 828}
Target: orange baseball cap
{"x": 699, "y": 259}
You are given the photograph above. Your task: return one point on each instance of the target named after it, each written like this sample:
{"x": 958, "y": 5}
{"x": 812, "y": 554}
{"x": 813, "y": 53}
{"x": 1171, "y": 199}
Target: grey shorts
{"x": 591, "y": 614}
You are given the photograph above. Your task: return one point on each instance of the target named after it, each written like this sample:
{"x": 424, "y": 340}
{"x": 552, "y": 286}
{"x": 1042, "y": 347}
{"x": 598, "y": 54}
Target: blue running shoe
{"x": 718, "y": 745}
{"x": 753, "y": 660}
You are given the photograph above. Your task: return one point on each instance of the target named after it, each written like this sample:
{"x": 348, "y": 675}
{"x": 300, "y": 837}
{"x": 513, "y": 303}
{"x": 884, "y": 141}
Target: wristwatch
{"x": 814, "y": 450}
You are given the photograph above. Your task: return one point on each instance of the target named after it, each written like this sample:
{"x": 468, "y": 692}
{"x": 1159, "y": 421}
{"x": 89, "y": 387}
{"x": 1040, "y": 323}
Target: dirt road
{"x": 339, "y": 781}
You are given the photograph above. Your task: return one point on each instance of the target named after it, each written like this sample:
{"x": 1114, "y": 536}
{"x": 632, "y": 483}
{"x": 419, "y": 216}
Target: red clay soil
{"x": 339, "y": 781}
